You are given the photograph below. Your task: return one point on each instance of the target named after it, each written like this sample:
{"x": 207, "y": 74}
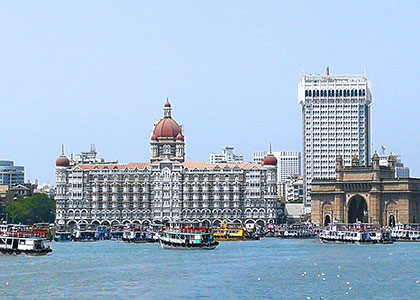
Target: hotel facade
{"x": 167, "y": 188}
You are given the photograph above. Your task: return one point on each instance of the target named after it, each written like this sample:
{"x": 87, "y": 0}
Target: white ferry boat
{"x": 406, "y": 233}
{"x": 15, "y": 244}
{"x": 84, "y": 233}
{"x": 62, "y": 234}
{"x": 183, "y": 236}
{"x": 134, "y": 234}
{"x": 354, "y": 233}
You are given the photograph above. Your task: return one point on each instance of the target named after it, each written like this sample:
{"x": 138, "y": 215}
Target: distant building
{"x": 400, "y": 170}
{"x": 89, "y": 157}
{"x": 226, "y": 157}
{"x": 23, "y": 190}
{"x": 292, "y": 189}
{"x": 335, "y": 121}
{"x": 167, "y": 188}
{"x": 10, "y": 174}
{"x": 367, "y": 194}
{"x": 288, "y": 163}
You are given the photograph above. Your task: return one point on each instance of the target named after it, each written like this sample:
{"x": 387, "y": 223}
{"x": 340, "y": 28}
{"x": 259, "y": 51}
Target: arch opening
{"x": 391, "y": 221}
{"x": 327, "y": 220}
{"x": 358, "y": 210}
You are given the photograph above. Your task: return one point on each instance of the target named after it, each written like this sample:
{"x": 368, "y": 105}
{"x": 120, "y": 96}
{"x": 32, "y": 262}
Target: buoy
{"x": 319, "y": 275}
{"x": 314, "y": 264}
{"x": 347, "y": 293}
{"x": 348, "y": 282}
{"x": 308, "y": 297}
{"x": 303, "y": 274}
{"x": 339, "y": 267}
{"x": 370, "y": 257}
{"x": 338, "y": 276}
{"x": 7, "y": 283}
{"x": 259, "y": 278}
{"x": 323, "y": 279}
{"x": 350, "y": 288}
{"x": 418, "y": 281}
{"x": 390, "y": 253}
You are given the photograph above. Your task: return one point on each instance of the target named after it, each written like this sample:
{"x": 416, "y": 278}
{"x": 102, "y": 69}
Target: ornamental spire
{"x": 167, "y": 109}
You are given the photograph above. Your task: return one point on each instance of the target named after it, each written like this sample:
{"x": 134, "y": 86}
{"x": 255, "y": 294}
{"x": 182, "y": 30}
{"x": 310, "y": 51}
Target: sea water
{"x": 266, "y": 269}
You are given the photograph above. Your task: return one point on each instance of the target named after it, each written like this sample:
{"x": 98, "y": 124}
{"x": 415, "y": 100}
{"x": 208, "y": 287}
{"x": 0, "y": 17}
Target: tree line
{"x": 38, "y": 208}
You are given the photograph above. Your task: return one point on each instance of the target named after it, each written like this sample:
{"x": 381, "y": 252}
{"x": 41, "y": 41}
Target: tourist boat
{"x": 187, "y": 236}
{"x": 134, "y": 234}
{"x": 116, "y": 233}
{"x": 62, "y": 234}
{"x": 17, "y": 244}
{"x": 227, "y": 232}
{"x": 406, "y": 233}
{"x": 102, "y": 233}
{"x": 42, "y": 230}
{"x": 84, "y": 233}
{"x": 297, "y": 231}
{"x": 361, "y": 233}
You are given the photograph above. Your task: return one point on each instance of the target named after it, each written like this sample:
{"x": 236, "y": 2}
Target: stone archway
{"x": 357, "y": 210}
{"x": 391, "y": 221}
{"x": 327, "y": 220}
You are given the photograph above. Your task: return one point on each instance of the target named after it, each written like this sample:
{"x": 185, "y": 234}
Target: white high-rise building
{"x": 335, "y": 121}
{"x": 288, "y": 163}
{"x": 226, "y": 157}
{"x": 400, "y": 170}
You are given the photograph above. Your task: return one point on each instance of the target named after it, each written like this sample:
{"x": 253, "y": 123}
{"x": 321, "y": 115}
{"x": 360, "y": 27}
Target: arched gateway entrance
{"x": 327, "y": 220}
{"x": 357, "y": 210}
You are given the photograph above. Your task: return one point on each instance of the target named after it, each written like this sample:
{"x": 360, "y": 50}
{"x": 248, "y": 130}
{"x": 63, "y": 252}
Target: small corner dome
{"x": 375, "y": 155}
{"x": 180, "y": 137}
{"x": 270, "y": 160}
{"x": 62, "y": 161}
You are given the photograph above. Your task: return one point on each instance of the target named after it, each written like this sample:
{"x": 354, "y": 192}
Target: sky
{"x": 98, "y": 72}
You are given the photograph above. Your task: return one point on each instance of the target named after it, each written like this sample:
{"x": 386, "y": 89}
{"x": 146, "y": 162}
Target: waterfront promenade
{"x": 266, "y": 269}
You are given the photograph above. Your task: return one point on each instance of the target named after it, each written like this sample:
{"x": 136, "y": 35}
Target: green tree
{"x": 36, "y": 209}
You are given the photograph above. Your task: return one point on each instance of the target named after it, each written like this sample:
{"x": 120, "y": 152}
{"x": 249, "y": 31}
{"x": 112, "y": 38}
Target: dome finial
{"x": 167, "y": 109}
{"x": 62, "y": 149}
{"x": 270, "y": 148}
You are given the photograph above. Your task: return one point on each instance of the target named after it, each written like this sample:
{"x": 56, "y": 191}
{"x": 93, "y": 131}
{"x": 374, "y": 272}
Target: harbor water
{"x": 266, "y": 269}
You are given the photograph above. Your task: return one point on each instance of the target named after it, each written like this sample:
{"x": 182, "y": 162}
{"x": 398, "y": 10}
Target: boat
{"x": 62, "y": 234}
{"x": 406, "y": 232}
{"x": 116, "y": 233}
{"x": 102, "y": 233}
{"x": 297, "y": 231}
{"x": 42, "y": 230}
{"x": 84, "y": 233}
{"x": 17, "y": 244}
{"x": 227, "y": 232}
{"x": 361, "y": 233}
{"x": 134, "y": 234}
{"x": 187, "y": 236}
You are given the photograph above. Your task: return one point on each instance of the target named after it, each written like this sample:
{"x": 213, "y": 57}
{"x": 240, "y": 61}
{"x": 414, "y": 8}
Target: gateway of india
{"x": 368, "y": 194}
{"x": 167, "y": 188}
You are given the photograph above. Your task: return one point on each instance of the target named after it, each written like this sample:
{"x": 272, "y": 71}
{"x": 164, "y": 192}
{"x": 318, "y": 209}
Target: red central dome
{"x": 167, "y": 128}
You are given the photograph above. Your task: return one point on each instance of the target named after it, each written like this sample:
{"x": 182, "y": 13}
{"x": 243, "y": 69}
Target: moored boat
{"x": 62, "y": 234}
{"x": 183, "y": 236}
{"x": 227, "y": 232}
{"x": 84, "y": 233}
{"x": 134, "y": 234}
{"x": 360, "y": 233}
{"x": 406, "y": 233}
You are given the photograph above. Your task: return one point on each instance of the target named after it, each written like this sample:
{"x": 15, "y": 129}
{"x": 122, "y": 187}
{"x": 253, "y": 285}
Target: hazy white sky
{"x": 82, "y": 72}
